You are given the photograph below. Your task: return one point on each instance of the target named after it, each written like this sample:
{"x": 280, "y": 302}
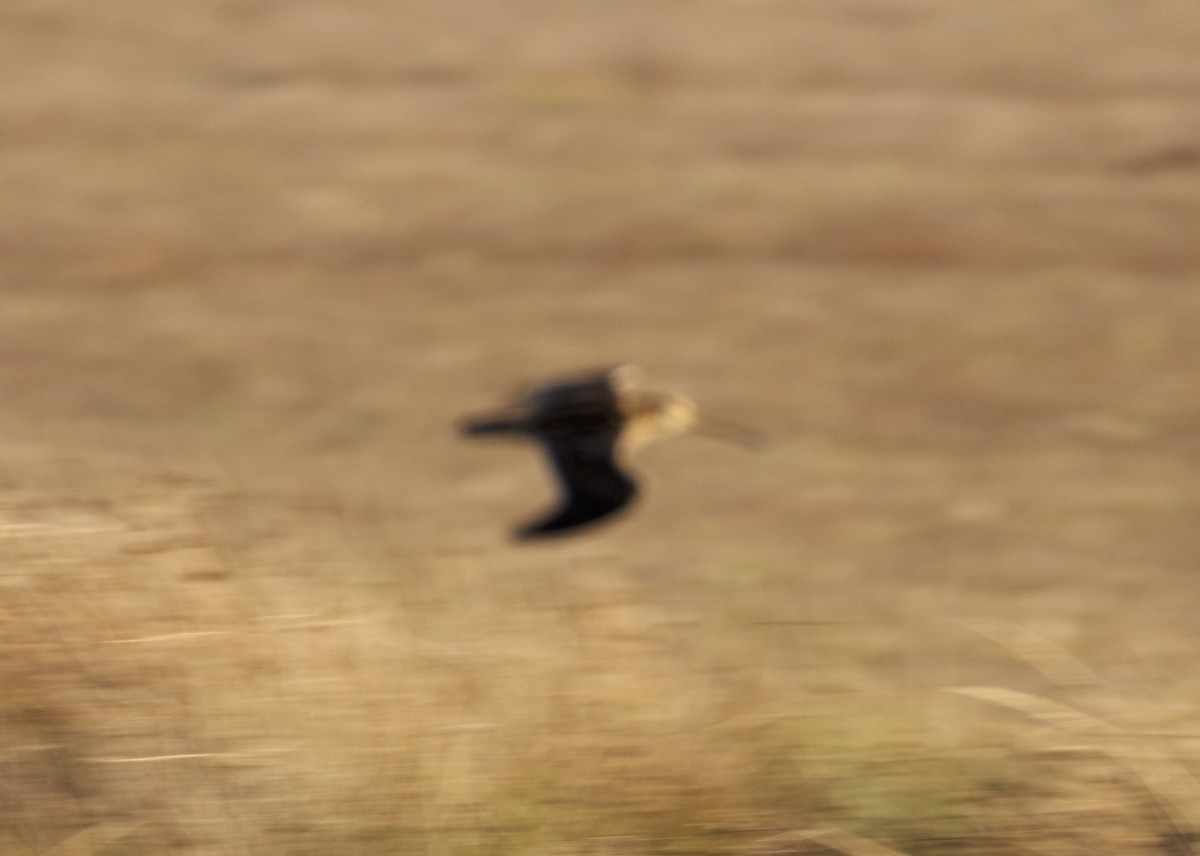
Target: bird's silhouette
{"x": 588, "y": 425}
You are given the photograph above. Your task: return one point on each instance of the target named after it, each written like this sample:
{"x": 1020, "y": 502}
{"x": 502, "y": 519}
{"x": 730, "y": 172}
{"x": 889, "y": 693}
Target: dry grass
{"x": 258, "y": 257}
{"x": 168, "y": 691}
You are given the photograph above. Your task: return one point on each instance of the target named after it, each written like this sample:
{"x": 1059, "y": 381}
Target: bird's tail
{"x": 495, "y": 425}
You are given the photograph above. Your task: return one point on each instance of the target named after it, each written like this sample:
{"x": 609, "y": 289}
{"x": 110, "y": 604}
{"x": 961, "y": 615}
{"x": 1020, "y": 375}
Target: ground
{"x": 260, "y": 257}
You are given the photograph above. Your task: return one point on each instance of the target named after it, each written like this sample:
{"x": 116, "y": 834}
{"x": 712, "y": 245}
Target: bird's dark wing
{"x": 599, "y": 386}
{"x": 594, "y": 487}
{"x": 583, "y": 405}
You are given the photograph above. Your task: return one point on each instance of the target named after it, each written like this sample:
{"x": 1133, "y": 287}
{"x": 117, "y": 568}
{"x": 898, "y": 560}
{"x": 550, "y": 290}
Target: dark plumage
{"x": 588, "y": 425}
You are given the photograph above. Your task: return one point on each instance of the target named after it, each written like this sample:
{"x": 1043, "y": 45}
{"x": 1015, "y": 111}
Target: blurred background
{"x": 258, "y": 258}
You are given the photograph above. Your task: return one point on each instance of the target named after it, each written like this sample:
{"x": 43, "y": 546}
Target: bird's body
{"x": 589, "y": 425}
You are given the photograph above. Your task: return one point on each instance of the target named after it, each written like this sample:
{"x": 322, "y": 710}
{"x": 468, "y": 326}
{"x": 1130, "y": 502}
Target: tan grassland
{"x": 257, "y": 257}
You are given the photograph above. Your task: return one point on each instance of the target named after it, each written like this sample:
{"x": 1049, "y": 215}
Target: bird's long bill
{"x": 720, "y": 428}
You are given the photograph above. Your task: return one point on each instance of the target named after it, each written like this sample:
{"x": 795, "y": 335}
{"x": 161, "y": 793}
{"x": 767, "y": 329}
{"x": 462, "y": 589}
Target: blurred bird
{"x": 589, "y": 425}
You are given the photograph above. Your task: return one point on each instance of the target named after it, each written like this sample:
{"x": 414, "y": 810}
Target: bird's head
{"x": 654, "y": 415}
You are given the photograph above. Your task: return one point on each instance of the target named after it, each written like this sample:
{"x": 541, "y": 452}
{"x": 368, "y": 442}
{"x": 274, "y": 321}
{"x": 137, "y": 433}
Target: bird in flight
{"x": 588, "y": 425}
